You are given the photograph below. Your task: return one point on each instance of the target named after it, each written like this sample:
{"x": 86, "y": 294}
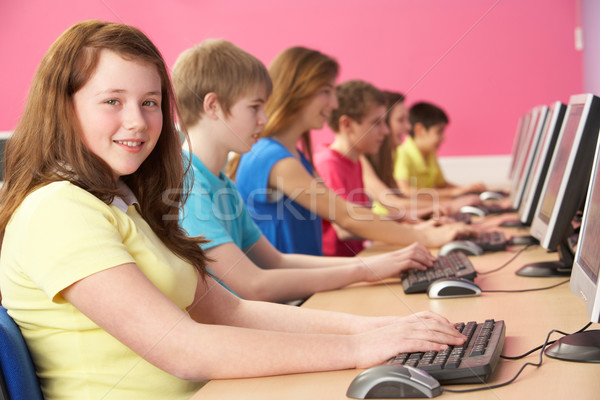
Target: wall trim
{"x": 492, "y": 170}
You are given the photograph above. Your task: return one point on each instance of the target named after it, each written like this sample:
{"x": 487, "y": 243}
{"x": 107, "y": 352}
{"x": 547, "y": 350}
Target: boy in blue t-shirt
{"x": 221, "y": 91}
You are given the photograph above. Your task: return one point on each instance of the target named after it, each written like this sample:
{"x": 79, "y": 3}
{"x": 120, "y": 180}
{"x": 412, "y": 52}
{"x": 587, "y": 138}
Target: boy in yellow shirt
{"x": 417, "y": 165}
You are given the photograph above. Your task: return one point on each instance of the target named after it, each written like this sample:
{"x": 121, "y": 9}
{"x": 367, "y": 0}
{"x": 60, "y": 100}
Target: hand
{"x": 392, "y": 264}
{"x": 440, "y": 235}
{"x": 423, "y": 331}
{"x": 467, "y": 200}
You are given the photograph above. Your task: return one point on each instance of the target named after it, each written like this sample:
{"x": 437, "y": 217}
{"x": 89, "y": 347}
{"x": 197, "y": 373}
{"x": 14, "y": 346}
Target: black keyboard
{"x": 461, "y": 217}
{"x": 455, "y": 264}
{"x": 494, "y": 208}
{"x": 472, "y": 362}
{"x": 488, "y": 241}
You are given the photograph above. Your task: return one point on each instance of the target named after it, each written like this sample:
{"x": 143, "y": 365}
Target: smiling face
{"x": 119, "y": 111}
{"x": 317, "y": 110}
{"x": 399, "y": 124}
{"x": 246, "y": 119}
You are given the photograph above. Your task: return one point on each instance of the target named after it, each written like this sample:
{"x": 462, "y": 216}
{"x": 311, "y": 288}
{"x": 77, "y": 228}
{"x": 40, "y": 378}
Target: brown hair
{"x": 426, "y": 114}
{"x": 217, "y": 66}
{"x": 383, "y": 161}
{"x": 297, "y": 74}
{"x": 355, "y": 99}
{"x": 47, "y": 146}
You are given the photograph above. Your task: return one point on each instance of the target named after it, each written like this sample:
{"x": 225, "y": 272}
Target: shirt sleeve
{"x": 401, "y": 169}
{"x": 66, "y": 235}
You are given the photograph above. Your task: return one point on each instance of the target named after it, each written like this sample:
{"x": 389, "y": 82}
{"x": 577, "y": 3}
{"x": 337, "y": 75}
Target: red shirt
{"x": 344, "y": 177}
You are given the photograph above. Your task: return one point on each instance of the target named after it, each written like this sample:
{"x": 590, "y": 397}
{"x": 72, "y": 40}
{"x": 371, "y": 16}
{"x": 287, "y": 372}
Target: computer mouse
{"x": 491, "y": 195}
{"x": 473, "y": 210}
{"x": 452, "y": 287}
{"x": 393, "y": 382}
{"x": 464, "y": 246}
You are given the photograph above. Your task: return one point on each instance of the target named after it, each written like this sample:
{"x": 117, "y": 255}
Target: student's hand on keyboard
{"x": 421, "y": 332}
{"x": 387, "y": 265}
{"x": 440, "y": 235}
{"x": 454, "y": 206}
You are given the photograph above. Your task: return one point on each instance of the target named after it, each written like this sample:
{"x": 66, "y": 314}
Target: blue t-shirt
{"x": 215, "y": 210}
{"x": 290, "y": 227}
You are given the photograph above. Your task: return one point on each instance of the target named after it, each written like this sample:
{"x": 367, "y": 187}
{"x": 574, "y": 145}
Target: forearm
{"x": 280, "y": 285}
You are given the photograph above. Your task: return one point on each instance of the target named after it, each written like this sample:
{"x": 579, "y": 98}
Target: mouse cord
{"x": 540, "y": 346}
{"x": 507, "y": 262}
{"x": 525, "y": 290}
{"x": 488, "y": 387}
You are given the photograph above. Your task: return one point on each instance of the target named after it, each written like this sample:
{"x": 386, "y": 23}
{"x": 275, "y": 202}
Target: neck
{"x": 210, "y": 152}
{"x": 342, "y": 145}
{"x": 290, "y": 136}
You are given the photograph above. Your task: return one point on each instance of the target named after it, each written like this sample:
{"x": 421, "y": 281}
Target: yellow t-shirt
{"x": 411, "y": 166}
{"x": 57, "y": 236}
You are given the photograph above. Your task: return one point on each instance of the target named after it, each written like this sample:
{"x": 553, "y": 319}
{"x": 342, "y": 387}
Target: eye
{"x": 112, "y": 102}
{"x": 150, "y": 103}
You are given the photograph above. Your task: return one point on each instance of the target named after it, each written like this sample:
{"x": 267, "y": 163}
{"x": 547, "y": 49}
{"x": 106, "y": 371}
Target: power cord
{"x": 540, "y": 346}
{"x": 539, "y": 363}
{"x": 507, "y": 262}
{"x": 525, "y": 290}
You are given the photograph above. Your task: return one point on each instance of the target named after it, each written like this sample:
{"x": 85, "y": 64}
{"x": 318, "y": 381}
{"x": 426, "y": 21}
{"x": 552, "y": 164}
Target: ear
{"x": 418, "y": 129}
{"x": 211, "y": 105}
{"x": 345, "y": 123}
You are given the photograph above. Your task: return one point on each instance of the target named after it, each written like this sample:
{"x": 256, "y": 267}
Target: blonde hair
{"x": 297, "y": 74}
{"x": 47, "y": 144}
{"x": 217, "y": 66}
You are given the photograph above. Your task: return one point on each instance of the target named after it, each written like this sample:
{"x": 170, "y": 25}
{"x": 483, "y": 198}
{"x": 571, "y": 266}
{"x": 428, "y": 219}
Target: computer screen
{"x": 568, "y": 175}
{"x": 541, "y": 162}
{"x": 530, "y": 149}
{"x": 585, "y": 346}
{"x": 521, "y": 129}
{"x": 586, "y": 266}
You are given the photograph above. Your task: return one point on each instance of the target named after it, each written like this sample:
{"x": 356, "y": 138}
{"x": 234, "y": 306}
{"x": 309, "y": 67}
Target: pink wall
{"x": 485, "y": 61}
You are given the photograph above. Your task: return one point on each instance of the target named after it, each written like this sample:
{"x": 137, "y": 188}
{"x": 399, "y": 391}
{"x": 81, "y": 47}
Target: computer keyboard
{"x": 494, "y": 208}
{"x": 472, "y": 362}
{"x": 488, "y": 241}
{"x": 461, "y": 217}
{"x": 455, "y": 264}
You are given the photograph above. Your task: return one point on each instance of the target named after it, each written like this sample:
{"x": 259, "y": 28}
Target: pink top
{"x": 344, "y": 177}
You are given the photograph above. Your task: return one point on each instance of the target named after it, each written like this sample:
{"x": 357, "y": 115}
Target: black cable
{"x": 525, "y": 290}
{"x": 488, "y": 387}
{"x": 540, "y": 346}
{"x": 507, "y": 262}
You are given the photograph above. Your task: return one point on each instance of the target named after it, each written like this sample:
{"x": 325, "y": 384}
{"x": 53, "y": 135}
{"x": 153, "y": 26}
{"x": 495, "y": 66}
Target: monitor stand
{"x": 550, "y": 269}
{"x": 578, "y": 347}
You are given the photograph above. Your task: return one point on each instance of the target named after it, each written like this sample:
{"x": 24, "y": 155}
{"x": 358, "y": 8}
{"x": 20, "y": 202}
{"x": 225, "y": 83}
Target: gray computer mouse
{"x": 464, "y": 246}
{"x": 473, "y": 210}
{"x": 393, "y": 382}
{"x": 491, "y": 195}
{"x": 452, "y": 287}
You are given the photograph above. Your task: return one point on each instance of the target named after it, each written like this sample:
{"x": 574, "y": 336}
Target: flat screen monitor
{"x": 585, "y": 346}
{"x": 541, "y": 162}
{"x": 566, "y": 183}
{"x": 522, "y": 127}
{"x": 530, "y": 148}
{"x": 568, "y": 176}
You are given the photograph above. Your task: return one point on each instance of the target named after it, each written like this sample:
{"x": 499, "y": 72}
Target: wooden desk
{"x": 528, "y": 317}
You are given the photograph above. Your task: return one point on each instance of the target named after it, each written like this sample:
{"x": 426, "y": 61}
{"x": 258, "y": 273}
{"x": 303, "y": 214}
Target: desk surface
{"x": 528, "y": 317}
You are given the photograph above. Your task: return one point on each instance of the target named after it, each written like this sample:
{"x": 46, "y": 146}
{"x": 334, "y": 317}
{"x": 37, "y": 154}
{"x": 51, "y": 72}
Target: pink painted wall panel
{"x": 485, "y": 61}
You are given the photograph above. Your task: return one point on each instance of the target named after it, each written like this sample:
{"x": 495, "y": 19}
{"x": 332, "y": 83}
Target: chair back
{"x": 18, "y": 371}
